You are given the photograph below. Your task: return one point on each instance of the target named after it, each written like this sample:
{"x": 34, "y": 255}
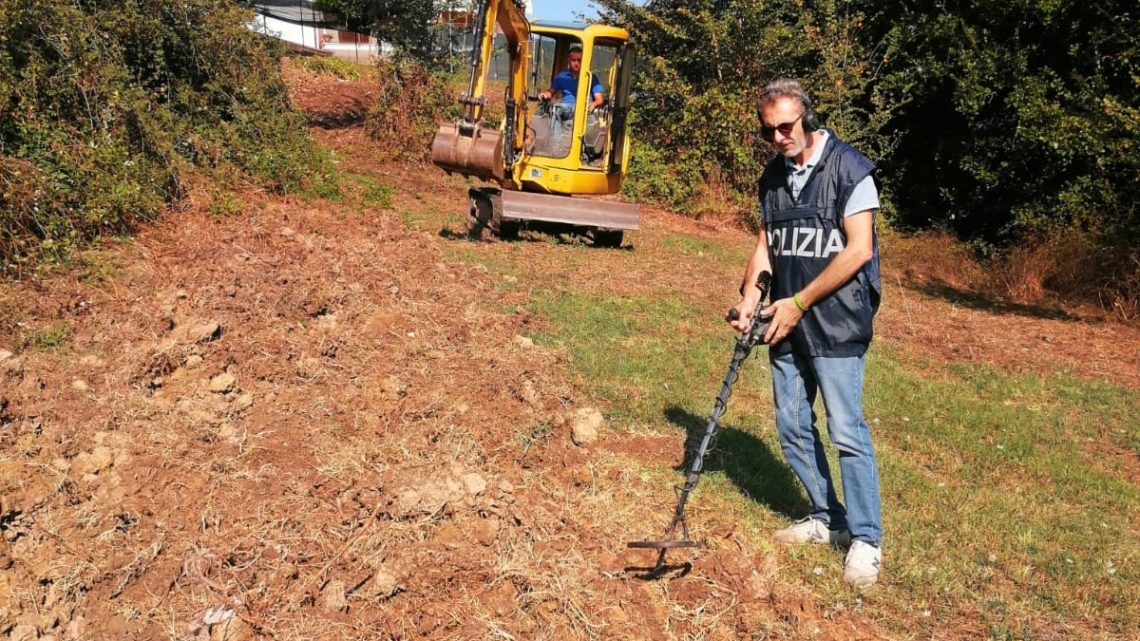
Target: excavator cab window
{"x": 551, "y": 128}
{"x": 541, "y": 64}
{"x": 602, "y": 65}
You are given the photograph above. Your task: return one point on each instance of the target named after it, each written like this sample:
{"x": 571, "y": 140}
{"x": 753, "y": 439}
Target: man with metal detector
{"x": 817, "y": 237}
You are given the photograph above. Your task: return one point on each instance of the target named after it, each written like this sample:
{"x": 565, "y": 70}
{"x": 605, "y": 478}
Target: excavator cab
{"x": 542, "y": 157}
{"x": 587, "y": 153}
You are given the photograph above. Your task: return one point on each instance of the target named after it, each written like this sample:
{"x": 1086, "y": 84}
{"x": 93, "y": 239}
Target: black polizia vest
{"x": 804, "y": 235}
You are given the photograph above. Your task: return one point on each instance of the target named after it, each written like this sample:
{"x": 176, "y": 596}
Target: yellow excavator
{"x": 545, "y": 161}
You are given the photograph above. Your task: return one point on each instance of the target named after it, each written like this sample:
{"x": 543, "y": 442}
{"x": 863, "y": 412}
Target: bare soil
{"x": 301, "y": 422}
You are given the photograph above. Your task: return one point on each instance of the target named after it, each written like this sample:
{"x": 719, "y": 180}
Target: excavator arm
{"x": 468, "y": 146}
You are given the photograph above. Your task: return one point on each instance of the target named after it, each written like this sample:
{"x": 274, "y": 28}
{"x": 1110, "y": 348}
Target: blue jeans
{"x": 560, "y": 113}
{"x": 795, "y": 379}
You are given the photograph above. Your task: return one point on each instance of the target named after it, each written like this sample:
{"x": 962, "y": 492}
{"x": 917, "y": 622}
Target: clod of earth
{"x": 94, "y": 461}
{"x": 393, "y": 387}
{"x": 487, "y": 531}
{"x": 384, "y": 584}
{"x": 23, "y": 633}
{"x": 203, "y": 333}
{"x": 12, "y": 367}
{"x": 585, "y": 425}
{"x": 243, "y": 402}
{"x": 414, "y": 495}
{"x": 90, "y": 360}
{"x": 334, "y": 596}
{"x": 223, "y": 383}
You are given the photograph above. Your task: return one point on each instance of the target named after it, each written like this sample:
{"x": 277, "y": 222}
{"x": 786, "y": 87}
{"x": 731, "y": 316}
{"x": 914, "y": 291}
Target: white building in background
{"x": 304, "y": 28}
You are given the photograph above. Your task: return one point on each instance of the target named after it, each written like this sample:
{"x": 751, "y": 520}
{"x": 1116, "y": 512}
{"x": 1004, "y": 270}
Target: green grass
{"x": 692, "y": 247}
{"x": 330, "y": 66}
{"x": 376, "y": 193}
{"x": 1007, "y": 503}
{"x": 322, "y": 186}
{"x": 48, "y": 337}
{"x": 993, "y": 499}
{"x": 225, "y": 205}
{"x": 994, "y": 490}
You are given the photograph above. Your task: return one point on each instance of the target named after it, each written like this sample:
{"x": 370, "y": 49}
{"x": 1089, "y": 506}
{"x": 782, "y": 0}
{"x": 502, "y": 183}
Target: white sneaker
{"x": 812, "y": 530}
{"x": 861, "y": 568}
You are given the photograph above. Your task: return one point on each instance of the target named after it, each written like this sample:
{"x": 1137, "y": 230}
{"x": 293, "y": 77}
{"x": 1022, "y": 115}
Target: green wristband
{"x": 796, "y": 300}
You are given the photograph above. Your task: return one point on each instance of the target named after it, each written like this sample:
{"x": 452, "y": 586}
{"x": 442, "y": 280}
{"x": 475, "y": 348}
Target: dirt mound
{"x": 331, "y": 103}
{"x": 302, "y": 423}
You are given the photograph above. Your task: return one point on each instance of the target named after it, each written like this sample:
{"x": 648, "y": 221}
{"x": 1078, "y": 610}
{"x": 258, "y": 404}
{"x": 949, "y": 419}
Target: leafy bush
{"x": 105, "y": 109}
{"x": 1009, "y": 123}
{"x": 1022, "y": 117}
{"x": 1022, "y": 131}
{"x": 701, "y": 65}
{"x": 411, "y": 103}
{"x": 653, "y": 177}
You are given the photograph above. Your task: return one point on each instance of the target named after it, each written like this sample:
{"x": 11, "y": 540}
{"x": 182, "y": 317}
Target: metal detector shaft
{"x": 744, "y": 344}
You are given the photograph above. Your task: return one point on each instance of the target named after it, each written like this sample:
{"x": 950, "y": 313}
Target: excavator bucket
{"x": 470, "y": 150}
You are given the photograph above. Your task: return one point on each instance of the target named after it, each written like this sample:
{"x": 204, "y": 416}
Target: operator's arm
{"x": 860, "y": 248}
{"x": 596, "y": 90}
{"x": 750, "y": 294}
{"x": 549, "y": 93}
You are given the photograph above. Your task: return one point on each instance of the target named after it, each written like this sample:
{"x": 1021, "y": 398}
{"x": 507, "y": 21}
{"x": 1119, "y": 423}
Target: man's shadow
{"x": 745, "y": 459}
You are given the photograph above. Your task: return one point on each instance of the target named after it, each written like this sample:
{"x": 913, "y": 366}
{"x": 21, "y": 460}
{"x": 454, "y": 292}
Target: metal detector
{"x": 744, "y": 344}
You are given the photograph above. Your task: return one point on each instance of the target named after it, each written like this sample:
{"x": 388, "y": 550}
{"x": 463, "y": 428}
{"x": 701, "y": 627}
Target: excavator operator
{"x": 566, "y": 85}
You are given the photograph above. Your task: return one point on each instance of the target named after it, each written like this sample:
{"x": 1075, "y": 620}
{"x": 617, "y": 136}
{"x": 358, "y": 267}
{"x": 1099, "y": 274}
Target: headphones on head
{"x": 786, "y": 87}
{"x": 810, "y": 120}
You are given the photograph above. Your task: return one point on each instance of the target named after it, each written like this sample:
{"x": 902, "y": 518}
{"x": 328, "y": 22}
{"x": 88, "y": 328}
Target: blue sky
{"x": 563, "y": 9}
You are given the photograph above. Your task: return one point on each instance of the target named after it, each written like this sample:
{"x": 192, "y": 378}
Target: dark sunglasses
{"x": 769, "y": 133}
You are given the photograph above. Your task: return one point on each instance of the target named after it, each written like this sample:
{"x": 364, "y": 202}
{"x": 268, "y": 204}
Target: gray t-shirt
{"x": 865, "y": 196}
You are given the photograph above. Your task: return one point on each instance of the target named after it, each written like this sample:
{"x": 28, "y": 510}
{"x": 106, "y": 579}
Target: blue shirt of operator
{"x": 568, "y": 85}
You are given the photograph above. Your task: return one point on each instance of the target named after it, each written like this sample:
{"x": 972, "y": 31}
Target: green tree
{"x": 702, "y": 63}
{"x": 1022, "y": 128}
{"x": 405, "y": 24}
{"x": 1020, "y": 116}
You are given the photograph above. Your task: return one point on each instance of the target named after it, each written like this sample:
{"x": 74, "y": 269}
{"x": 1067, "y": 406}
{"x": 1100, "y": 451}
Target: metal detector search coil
{"x": 744, "y": 344}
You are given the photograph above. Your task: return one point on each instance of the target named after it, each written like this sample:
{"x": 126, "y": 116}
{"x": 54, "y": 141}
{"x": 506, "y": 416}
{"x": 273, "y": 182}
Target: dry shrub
{"x": 330, "y": 66}
{"x": 106, "y": 113}
{"x": 1118, "y": 288}
{"x": 720, "y": 202}
{"x": 412, "y": 102}
{"x": 1027, "y": 272}
{"x": 934, "y": 255}
{"x": 1073, "y": 266}
{"x": 23, "y": 191}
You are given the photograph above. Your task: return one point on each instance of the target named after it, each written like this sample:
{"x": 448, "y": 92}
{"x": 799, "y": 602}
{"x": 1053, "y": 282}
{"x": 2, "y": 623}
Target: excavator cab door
{"x": 597, "y": 135}
{"x": 619, "y": 108}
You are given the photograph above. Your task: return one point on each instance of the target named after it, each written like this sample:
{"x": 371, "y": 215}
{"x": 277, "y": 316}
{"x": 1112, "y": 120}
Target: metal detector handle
{"x": 759, "y": 325}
